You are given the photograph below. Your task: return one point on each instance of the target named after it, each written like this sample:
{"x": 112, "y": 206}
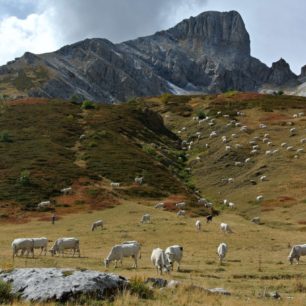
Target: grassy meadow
{"x": 143, "y": 137}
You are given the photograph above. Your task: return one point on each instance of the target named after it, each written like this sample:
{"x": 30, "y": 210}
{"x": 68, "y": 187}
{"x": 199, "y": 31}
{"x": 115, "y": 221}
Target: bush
{"x": 139, "y": 288}
{"x": 149, "y": 149}
{"x": 24, "y": 178}
{"x": 88, "y": 105}
{"x": 5, "y": 137}
{"x": 165, "y": 97}
{"x": 6, "y": 296}
{"x": 201, "y": 115}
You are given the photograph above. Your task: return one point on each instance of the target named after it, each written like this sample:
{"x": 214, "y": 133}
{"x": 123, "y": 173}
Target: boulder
{"x": 52, "y": 284}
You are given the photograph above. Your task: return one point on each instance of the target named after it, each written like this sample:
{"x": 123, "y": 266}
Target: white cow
{"x": 222, "y": 250}
{"x": 259, "y": 198}
{"x": 160, "y": 261}
{"x": 263, "y": 178}
{"x": 296, "y": 252}
{"x": 181, "y": 213}
{"x": 139, "y": 180}
{"x": 231, "y": 205}
{"x": 174, "y": 254}
{"x": 63, "y": 244}
{"x": 98, "y": 223}
{"x": 44, "y": 204}
{"x": 126, "y": 249}
{"x": 23, "y": 244}
{"x": 160, "y": 205}
{"x": 256, "y": 220}
{"x": 67, "y": 190}
{"x": 115, "y": 184}
{"x": 41, "y": 243}
{"x": 180, "y": 205}
{"x": 225, "y": 228}
{"x": 198, "y": 225}
{"x": 146, "y": 218}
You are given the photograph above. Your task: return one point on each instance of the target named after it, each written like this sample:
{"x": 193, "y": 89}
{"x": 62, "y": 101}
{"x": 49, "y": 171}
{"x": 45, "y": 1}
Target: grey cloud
{"x": 117, "y": 20}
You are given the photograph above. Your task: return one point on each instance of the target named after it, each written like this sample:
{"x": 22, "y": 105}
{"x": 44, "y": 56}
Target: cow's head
{"x": 106, "y": 262}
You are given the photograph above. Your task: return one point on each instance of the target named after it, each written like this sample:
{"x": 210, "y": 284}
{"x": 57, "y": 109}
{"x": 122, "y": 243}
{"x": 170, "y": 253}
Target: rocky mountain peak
{"x": 281, "y": 73}
{"x": 214, "y": 32}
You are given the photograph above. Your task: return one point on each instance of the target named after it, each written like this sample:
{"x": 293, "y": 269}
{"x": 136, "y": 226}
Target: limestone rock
{"x": 47, "y": 284}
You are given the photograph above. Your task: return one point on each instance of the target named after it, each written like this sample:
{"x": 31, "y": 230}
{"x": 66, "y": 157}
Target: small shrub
{"x": 299, "y": 286}
{"x": 88, "y": 105}
{"x": 149, "y": 149}
{"x": 24, "y": 178}
{"x": 201, "y": 115}
{"x": 165, "y": 97}
{"x": 139, "y": 288}
{"x": 6, "y": 296}
{"x": 5, "y": 137}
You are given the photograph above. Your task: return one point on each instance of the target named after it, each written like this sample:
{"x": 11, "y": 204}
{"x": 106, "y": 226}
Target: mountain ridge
{"x": 209, "y": 53}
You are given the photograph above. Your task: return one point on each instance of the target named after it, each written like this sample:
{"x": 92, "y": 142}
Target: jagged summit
{"x": 208, "y": 53}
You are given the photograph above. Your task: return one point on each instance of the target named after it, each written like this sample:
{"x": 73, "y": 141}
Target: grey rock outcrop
{"x": 47, "y": 284}
{"x": 281, "y": 74}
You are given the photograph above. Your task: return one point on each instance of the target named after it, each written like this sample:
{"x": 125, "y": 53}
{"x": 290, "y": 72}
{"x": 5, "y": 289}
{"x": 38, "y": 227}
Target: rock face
{"x": 46, "y": 284}
{"x": 209, "y": 53}
{"x": 281, "y": 74}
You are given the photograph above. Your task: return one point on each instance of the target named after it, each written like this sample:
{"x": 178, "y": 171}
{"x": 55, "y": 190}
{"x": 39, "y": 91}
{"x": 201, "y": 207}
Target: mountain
{"x": 209, "y": 53}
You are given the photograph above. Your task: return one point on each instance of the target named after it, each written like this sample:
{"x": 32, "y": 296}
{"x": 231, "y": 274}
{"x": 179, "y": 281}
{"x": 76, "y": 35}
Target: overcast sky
{"x": 276, "y": 27}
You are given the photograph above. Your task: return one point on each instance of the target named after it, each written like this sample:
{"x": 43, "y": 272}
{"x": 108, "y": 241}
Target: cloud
{"x": 34, "y": 33}
{"x": 118, "y": 20}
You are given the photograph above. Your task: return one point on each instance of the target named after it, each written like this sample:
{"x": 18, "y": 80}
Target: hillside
{"x": 209, "y": 53}
{"x": 283, "y": 189}
{"x": 47, "y": 145}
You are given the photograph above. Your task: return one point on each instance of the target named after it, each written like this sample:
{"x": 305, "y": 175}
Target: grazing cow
{"x": 202, "y": 201}
{"x": 303, "y": 140}
{"x": 96, "y": 225}
{"x": 44, "y": 204}
{"x": 256, "y": 220}
{"x": 180, "y": 205}
{"x": 23, "y": 244}
{"x": 41, "y": 243}
{"x": 284, "y": 144}
{"x": 127, "y": 249}
{"x": 139, "y": 180}
{"x": 198, "y": 225}
{"x": 225, "y": 228}
{"x": 209, "y": 218}
{"x": 160, "y": 205}
{"x": 247, "y": 160}
{"x": 174, "y": 253}
{"x": 238, "y": 164}
{"x": 181, "y": 213}
{"x": 213, "y": 134}
{"x": 160, "y": 261}
{"x": 115, "y": 184}
{"x": 296, "y": 252}
{"x": 301, "y": 114}
{"x": 263, "y": 178}
{"x": 290, "y": 148}
{"x": 262, "y": 126}
{"x": 228, "y": 148}
{"x": 259, "y": 198}
{"x": 222, "y": 250}
{"x": 231, "y": 205}
{"x": 63, "y": 244}
{"x": 300, "y": 151}
{"x": 146, "y": 218}
{"x": 292, "y": 131}
{"x": 66, "y": 191}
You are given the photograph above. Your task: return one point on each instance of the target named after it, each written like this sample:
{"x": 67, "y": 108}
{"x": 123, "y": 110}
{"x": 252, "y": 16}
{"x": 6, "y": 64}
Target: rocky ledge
{"x": 47, "y": 284}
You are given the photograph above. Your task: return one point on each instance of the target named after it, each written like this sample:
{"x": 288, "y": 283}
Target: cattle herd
{"x": 163, "y": 260}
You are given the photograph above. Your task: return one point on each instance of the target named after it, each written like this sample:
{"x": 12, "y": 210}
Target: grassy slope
{"x": 120, "y": 143}
{"x": 284, "y": 204}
